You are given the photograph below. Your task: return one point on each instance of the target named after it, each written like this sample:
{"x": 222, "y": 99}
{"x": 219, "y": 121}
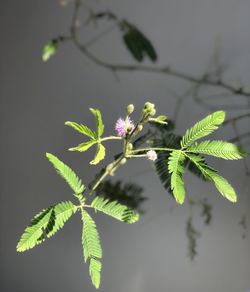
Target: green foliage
{"x": 161, "y": 120}
{"x": 68, "y": 174}
{"x": 219, "y": 149}
{"x": 45, "y": 223}
{"x": 176, "y": 169}
{"x": 128, "y": 194}
{"x": 49, "y": 50}
{"x": 92, "y": 249}
{"x": 203, "y": 128}
{"x": 137, "y": 43}
{"x": 99, "y": 122}
{"x": 83, "y": 146}
{"x": 95, "y": 136}
{"x": 115, "y": 210}
{"x": 100, "y": 154}
{"x": 222, "y": 185}
{"x": 82, "y": 129}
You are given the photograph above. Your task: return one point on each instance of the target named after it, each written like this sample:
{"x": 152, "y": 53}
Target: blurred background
{"x": 195, "y": 37}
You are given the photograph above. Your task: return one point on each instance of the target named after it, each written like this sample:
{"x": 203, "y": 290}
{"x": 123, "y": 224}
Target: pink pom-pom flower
{"x": 151, "y": 155}
{"x": 124, "y": 127}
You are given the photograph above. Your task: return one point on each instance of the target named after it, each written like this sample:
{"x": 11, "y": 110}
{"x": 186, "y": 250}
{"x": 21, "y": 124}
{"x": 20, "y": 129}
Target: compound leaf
{"x": 45, "y": 223}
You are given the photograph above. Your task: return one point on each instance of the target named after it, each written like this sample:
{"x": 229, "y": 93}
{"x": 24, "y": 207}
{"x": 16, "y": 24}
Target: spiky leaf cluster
{"x": 47, "y": 222}
{"x": 95, "y": 137}
{"x": 188, "y": 154}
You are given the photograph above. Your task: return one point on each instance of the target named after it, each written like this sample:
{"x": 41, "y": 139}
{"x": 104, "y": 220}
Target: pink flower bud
{"x": 151, "y": 155}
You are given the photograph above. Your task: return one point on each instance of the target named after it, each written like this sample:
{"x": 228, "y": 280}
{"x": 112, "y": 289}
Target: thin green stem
{"x": 138, "y": 155}
{"x": 111, "y": 138}
{"x": 109, "y": 170}
{"x": 153, "y": 148}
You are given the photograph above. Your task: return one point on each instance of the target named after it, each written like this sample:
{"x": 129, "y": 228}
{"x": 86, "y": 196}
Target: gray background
{"x": 36, "y": 100}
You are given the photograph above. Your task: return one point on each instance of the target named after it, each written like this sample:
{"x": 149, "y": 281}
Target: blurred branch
{"x": 206, "y": 79}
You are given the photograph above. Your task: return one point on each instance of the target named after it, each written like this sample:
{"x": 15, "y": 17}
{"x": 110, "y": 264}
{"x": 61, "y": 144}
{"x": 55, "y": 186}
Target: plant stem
{"x": 109, "y": 169}
{"x": 110, "y": 138}
{"x": 154, "y": 148}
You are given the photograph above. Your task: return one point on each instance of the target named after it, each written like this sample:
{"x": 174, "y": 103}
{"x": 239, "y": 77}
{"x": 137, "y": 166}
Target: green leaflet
{"x": 68, "y": 174}
{"x": 83, "y": 146}
{"x": 176, "y": 169}
{"x": 203, "y": 128}
{"x": 92, "y": 249}
{"x": 82, "y": 129}
{"x": 99, "y": 122}
{"x": 99, "y": 155}
{"x": 47, "y": 222}
{"x": 219, "y": 149}
{"x": 115, "y": 210}
{"x": 222, "y": 185}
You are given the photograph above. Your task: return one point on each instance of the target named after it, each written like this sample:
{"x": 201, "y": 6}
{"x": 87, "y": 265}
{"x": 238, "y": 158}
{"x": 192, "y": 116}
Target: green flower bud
{"x": 140, "y": 127}
{"x": 123, "y": 161}
{"x": 152, "y": 112}
{"x": 130, "y": 109}
{"x": 130, "y": 146}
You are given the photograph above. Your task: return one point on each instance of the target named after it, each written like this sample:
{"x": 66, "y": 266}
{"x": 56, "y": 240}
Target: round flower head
{"x": 124, "y": 127}
{"x": 151, "y": 155}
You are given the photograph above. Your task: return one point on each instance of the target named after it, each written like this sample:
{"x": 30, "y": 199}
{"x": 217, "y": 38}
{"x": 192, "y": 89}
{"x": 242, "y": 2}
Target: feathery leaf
{"x": 67, "y": 173}
{"x": 222, "y": 185}
{"x": 92, "y": 249}
{"x": 219, "y": 149}
{"x": 115, "y": 210}
{"x": 45, "y": 223}
{"x": 176, "y": 169}
{"x": 203, "y": 128}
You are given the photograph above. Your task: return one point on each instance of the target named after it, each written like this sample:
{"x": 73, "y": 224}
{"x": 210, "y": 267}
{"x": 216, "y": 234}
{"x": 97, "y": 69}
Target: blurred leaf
{"x": 49, "y": 50}
{"x": 137, "y": 43}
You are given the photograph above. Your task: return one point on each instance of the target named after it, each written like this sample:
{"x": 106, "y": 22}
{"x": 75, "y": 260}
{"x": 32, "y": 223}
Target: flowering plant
{"x": 171, "y": 154}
